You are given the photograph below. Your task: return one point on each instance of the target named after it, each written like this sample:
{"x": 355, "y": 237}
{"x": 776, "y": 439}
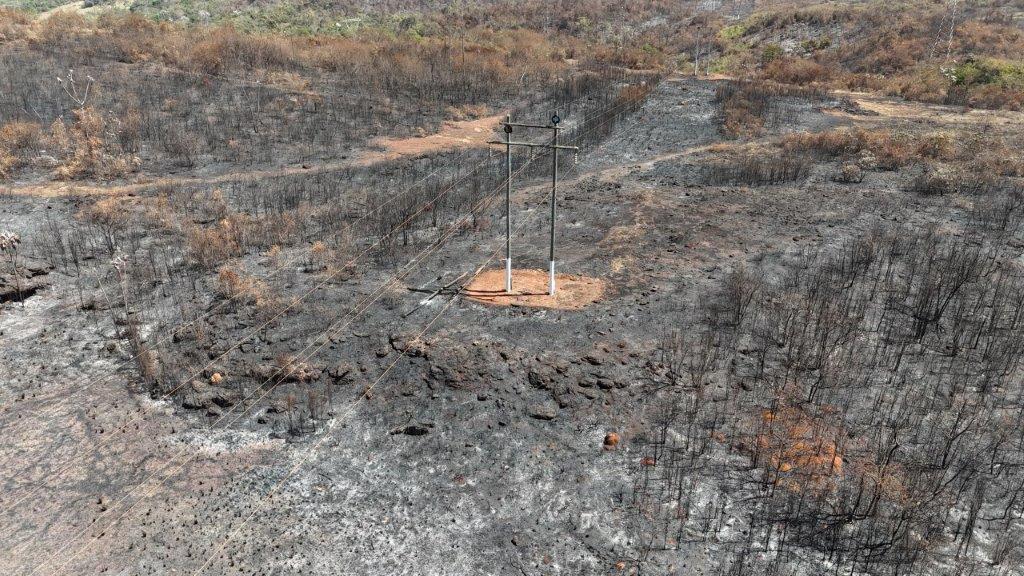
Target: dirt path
{"x": 492, "y": 474}
{"x": 453, "y": 136}
{"x": 886, "y": 109}
{"x": 475, "y": 133}
{"x": 461, "y": 134}
{"x": 81, "y": 8}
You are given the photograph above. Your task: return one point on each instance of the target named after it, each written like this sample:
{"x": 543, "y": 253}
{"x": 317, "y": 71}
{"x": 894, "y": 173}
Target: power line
{"x": 333, "y": 328}
{"x": 277, "y": 487}
{"x": 169, "y": 394}
{"x": 327, "y": 434}
{"x": 170, "y": 333}
{"x": 236, "y": 81}
{"x": 144, "y": 410}
{"x": 328, "y": 339}
{"x": 952, "y": 28}
{"x": 68, "y": 463}
{"x": 554, "y": 147}
{"x": 949, "y": 15}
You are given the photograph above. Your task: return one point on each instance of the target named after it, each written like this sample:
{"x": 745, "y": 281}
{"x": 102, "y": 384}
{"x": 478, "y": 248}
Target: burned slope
{"x": 492, "y": 428}
{"x": 716, "y": 412}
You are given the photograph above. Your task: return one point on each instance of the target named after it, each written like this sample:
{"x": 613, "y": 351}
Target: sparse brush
{"x": 210, "y": 246}
{"x": 18, "y": 136}
{"x": 8, "y": 162}
{"x": 746, "y": 106}
{"x": 319, "y": 255}
{"x": 849, "y": 173}
{"x": 14, "y": 24}
{"x": 800, "y": 71}
{"x": 936, "y": 146}
{"x": 826, "y": 144}
{"x": 248, "y": 290}
{"x": 85, "y": 148}
{"x": 742, "y": 112}
{"x": 882, "y": 148}
{"x": 291, "y": 369}
{"x": 757, "y": 169}
{"x": 9, "y": 243}
{"x": 934, "y": 180}
{"x": 19, "y": 142}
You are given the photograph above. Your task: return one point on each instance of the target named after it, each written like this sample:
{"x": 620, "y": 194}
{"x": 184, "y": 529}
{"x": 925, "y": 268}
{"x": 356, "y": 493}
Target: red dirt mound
{"x": 530, "y": 288}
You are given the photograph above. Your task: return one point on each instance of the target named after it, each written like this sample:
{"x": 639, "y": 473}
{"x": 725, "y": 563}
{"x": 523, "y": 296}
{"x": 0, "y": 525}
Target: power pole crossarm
{"x": 534, "y": 145}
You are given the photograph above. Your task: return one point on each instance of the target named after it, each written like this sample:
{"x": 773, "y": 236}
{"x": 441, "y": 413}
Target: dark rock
{"x": 545, "y": 411}
{"x": 211, "y": 398}
{"x": 540, "y": 377}
{"x": 339, "y": 372}
{"x": 414, "y": 429}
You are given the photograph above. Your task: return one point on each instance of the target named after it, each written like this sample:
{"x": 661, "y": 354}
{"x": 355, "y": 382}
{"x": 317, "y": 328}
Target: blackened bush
{"x": 936, "y": 180}
{"x": 226, "y": 49}
{"x": 756, "y": 170}
{"x": 797, "y": 71}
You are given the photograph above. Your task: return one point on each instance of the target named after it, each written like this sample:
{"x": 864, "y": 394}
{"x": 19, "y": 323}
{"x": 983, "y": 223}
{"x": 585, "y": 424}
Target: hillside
{"x": 253, "y": 317}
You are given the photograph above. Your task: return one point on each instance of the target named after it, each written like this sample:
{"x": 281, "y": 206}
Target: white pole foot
{"x": 508, "y": 275}
{"x": 551, "y": 279}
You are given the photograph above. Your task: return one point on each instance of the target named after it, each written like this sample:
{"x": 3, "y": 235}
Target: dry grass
{"x": 742, "y": 114}
{"x": 800, "y": 71}
{"x": 802, "y": 453}
{"x": 496, "y": 56}
{"x": 984, "y": 154}
{"x": 18, "y": 142}
{"x": 87, "y": 149}
{"x": 892, "y": 48}
{"x": 889, "y": 150}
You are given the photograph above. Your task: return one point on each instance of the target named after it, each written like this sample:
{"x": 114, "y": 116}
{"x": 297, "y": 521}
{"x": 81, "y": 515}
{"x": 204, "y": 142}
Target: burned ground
{"x": 446, "y": 436}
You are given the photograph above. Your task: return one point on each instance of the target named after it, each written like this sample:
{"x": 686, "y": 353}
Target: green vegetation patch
{"x": 733, "y": 32}
{"x": 988, "y": 71}
{"x": 34, "y": 5}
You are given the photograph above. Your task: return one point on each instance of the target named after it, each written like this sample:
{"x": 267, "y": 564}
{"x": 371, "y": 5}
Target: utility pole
{"x": 696, "y": 54}
{"x": 508, "y": 204}
{"x": 554, "y": 147}
{"x": 554, "y": 187}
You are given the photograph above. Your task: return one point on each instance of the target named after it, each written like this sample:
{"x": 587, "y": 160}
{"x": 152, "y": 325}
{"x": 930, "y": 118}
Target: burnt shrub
{"x": 880, "y": 148}
{"x": 743, "y": 110}
{"x": 849, "y": 173}
{"x": 938, "y": 180}
{"x": 745, "y": 107}
{"x": 758, "y": 169}
{"x": 800, "y": 71}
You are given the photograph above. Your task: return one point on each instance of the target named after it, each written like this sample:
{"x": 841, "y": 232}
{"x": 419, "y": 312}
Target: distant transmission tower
{"x": 949, "y": 15}
{"x": 952, "y": 27}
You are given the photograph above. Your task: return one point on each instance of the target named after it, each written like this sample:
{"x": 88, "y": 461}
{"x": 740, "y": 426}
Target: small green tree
{"x": 771, "y": 52}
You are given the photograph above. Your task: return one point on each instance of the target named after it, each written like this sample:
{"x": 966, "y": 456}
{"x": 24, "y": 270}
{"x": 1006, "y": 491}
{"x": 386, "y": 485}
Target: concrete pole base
{"x": 551, "y": 279}
{"x": 508, "y": 275}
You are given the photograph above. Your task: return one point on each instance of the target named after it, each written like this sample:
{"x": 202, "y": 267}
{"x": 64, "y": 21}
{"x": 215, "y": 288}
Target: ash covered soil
{"x": 503, "y": 440}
